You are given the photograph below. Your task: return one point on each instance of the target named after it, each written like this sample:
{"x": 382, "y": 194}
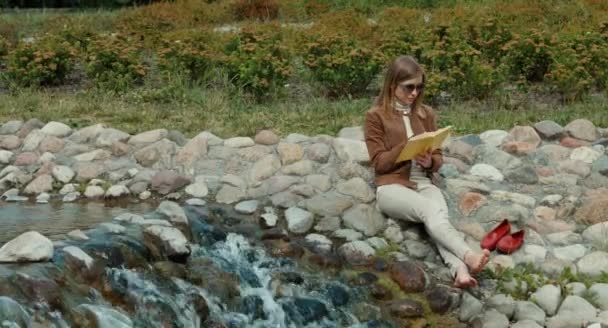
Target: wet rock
{"x": 38, "y": 289}
{"x": 338, "y": 294}
{"x": 405, "y": 308}
{"x": 269, "y": 218}
{"x": 409, "y": 276}
{"x": 98, "y": 316}
{"x": 439, "y": 298}
{"x": 10, "y": 310}
{"x": 167, "y": 242}
{"x": 305, "y": 310}
{"x": 380, "y": 292}
{"x": 357, "y": 252}
{"x": 77, "y": 260}
{"x": 77, "y": 235}
{"x": 173, "y": 212}
{"x": 247, "y": 207}
{"x": 253, "y": 306}
{"x": 197, "y": 190}
{"x": 30, "y": 246}
{"x": 298, "y": 220}
{"x": 42, "y": 183}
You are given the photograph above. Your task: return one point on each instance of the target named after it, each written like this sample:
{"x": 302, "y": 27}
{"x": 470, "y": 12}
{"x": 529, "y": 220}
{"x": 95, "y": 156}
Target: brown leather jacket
{"x": 385, "y": 136}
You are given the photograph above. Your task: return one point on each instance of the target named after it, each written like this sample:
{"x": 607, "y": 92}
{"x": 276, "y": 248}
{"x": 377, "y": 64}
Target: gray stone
{"x": 357, "y": 188}
{"x": 364, "y": 218}
{"x": 109, "y": 136}
{"x": 116, "y": 191}
{"x": 377, "y": 243}
{"x": 320, "y": 182}
{"x": 517, "y": 198}
{"x": 247, "y": 207}
{"x": 584, "y": 154}
{"x": 173, "y": 212}
{"x": 56, "y": 129}
{"x": 350, "y": 150}
{"x": 42, "y": 183}
{"x": 573, "y": 312}
{"x": 493, "y": 319}
{"x": 549, "y": 129}
{"x": 564, "y": 238}
{"x": 87, "y": 134}
{"x": 417, "y": 249}
{"x": 496, "y": 157}
{"x": 329, "y": 224}
{"x": 502, "y": 303}
{"x": 298, "y": 220}
{"x": 459, "y": 186}
{"x": 229, "y": 194}
{"x": 530, "y": 311}
{"x": 600, "y": 293}
{"x": 212, "y": 140}
{"x": 318, "y": 152}
{"x": 6, "y": 156}
{"x": 166, "y": 241}
{"x": 486, "y": 171}
{"x": 296, "y": 138}
{"x": 63, "y": 174}
{"x": 470, "y": 307}
{"x": 70, "y": 197}
{"x": 196, "y": 202}
{"x": 264, "y": 169}
{"x": 285, "y": 199}
{"x": 266, "y": 137}
{"x": 30, "y": 246}
{"x": 582, "y": 129}
{"x": 11, "y": 127}
{"x": 356, "y": 252}
{"x": 197, "y": 189}
{"x": 290, "y": 153}
{"x": 461, "y": 150}
{"x": 158, "y": 155}
{"x": 300, "y": 168}
{"x": 493, "y": 137}
{"x": 548, "y": 297}
{"x": 328, "y": 204}
{"x": 348, "y": 234}
{"x": 165, "y": 182}
{"x": 148, "y": 137}
{"x": 319, "y": 242}
{"x": 239, "y": 142}
{"x": 355, "y": 133}
{"x": 77, "y": 259}
{"x": 576, "y": 288}
{"x": 601, "y": 165}
{"x": 33, "y": 139}
{"x": 526, "y": 324}
{"x": 570, "y": 253}
{"x": 593, "y": 264}
{"x": 597, "y": 234}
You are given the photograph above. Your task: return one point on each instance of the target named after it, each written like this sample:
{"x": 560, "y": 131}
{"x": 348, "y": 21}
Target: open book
{"x": 423, "y": 142}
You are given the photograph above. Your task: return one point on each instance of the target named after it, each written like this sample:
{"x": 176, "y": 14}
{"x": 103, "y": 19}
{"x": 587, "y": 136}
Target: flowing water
{"x": 231, "y": 276}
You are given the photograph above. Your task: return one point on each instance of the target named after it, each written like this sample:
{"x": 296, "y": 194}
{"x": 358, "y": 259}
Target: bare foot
{"x": 463, "y": 279}
{"x": 476, "y": 261}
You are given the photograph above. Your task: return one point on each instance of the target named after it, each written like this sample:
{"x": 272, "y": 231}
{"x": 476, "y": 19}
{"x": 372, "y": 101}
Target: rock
{"x": 6, "y": 156}
{"x": 528, "y": 311}
{"x": 318, "y": 152}
{"x": 300, "y": 168}
{"x": 158, "y": 155}
{"x": 197, "y": 190}
{"x": 355, "y": 133}
{"x": 87, "y": 171}
{"x": 492, "y": 319}
{"x": 564, "y": 238}
{"x": 94, "y": 192}
{"x": 348, "y": 234}
{"x": 573, "y": 312}
{"x": 97, "y": 154}
{"x": 461, "y": 150}
{"x": 593, "y": 264}
{"x": 70, "y": 197}
{"x": 597, "y": 234}
{"x": 548, "y": 297}
{"x": 239, "y": 142}
{"x": 496, "y": 157}
{"x": 77, "y": 260}
{"x": 192, "y": 151}
{"x": 116, "y": 191}
{"x": 377, "y": 243}
{"x": 409, "y": 276}
{"x": 576, "y": 288}
{"x": 356, "y": 252}
{"x": 269, "y": 218}
{"x": 549, "y": 130}
{"x": 513, "y": 197}
{"x": 493, "y": 137}
{"x": 582, "y": 129}
{"x": 129, "y": 217}
{"x": 328, "y": 204}
{"x": 319, "y": 182}
{"x": 570, "y": 253}
{"x": 296, "y": 138}
{"x": 298, "y": 220}
{"x": 264, "y": 169}
{"x": 63, "y": 174}
{"x": 166, "y": 181}
{"x": 229, "y": 195}
{"x": 30, "y": 246}
{"x": 56, "y": 129}
{"x": 600, "y": 292}
{"x": 25, "y": 158}
{"x": 9, "y": 142}
{"x": 459, "y": 187}
{"x": 487, "y": 172}
{"x": 167, "y": 242}
{"x": 357, "y": 188}
{"x": 502, "y": 303}
{"x": 593, "y": 210}
{"x": 521, "y": 140}
{"x": 308, "y": 310}
{"x": 43, "y": 198}
{"x": 350, "y": 150}
{"x": 544, "y": 213}
{"x": 319, "y": 242}
{"x": 247, "y": 207}
{"x": 470, "y": 307}
{"x": 88, "y": 315}
{"x": 328, "y": 224}
{"x": 405, "y": 308}
{"x": 42, "y": 183}
{"x": 173, "y": 212}
{"x": 584, "y": 154}
{"x": 601, "y": 165}
{"x": 364, "y": 218}
{"x": 266, "y": 137}
{"x": 393, "y": 233}
{"x": 11, "y": 311}
{"x": 11, "y": 127}
{"x": 290, "y": 153}
{"x": 147, "y": 137}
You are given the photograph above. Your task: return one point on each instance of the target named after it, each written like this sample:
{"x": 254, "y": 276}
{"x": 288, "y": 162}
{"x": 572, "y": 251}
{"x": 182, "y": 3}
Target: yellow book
{"x": 423, "y": 142}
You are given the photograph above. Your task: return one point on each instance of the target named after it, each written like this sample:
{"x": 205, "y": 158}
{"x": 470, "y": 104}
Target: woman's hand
{"x": 424, "y": 159}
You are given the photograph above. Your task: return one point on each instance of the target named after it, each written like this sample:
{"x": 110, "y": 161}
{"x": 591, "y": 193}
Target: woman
{"x": 406, "y": 190}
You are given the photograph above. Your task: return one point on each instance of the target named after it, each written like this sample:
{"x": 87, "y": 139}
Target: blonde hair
{"x": 401, "y": 69}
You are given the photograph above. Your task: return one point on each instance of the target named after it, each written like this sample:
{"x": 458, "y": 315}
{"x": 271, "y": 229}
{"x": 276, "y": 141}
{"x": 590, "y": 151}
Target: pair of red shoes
{"x": 502, "y": 239}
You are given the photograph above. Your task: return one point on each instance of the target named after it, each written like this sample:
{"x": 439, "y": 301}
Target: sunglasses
{"x": 411, "y": 87}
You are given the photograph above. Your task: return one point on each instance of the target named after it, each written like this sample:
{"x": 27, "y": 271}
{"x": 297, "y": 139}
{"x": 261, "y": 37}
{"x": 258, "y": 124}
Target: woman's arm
{"x": 382, "y": 159}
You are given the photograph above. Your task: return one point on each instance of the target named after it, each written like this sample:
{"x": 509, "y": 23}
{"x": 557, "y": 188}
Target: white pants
{"x": 425, "y": 205}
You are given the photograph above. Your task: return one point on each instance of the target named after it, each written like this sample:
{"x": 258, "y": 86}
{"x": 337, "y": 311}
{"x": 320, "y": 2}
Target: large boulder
{"x": 30, "y": 246}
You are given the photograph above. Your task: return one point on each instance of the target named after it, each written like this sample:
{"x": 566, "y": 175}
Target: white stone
{"x": 97, "y": 154}
{"x": 600, "y": 293}
{"x": 487, "y": 172}
{"x": 129, "y": 217}
{"x": 348, "y": 234}
{"x": 173, "y": 211}
{"x": 493, "y": 138}
{"x": 32, "y": 140}
{"x": 43, "y": 198}
{"x": 56, "y": 129}
{"x": 593, "y": 264}
{"x": 570, "y": 253}
{"x": 46, "y": 157}
{"x": 298, "y": 220}
{"x": 78, "y": 256}
{"x": 112, "y": 227}
{"x": 319, "y": 241}
{"x": 144, "y": 195}
{"x": 573, "y": 312}
{"x": 548, "y": 297}
{"x": 109, "y": 136}
{"x": 597, "y": 234}
{"x": 94, "y": 192}
{"x": 197, "y": 190}
{"x": 196, "y": 202}
{"x": 247, "y": 207}
{"x": 585, "y": 154}
{"x": 117, "y": 191}
{"x": 70, "y": 197}
{"x": 77, "y": 235}
{"x": 356, "y": 252}
{"x": 551, "y": 200}
{"x": 239, "y": 142}
{"x": 5, "y": 156}
{"x": 173, "y": 241}
{"x": 30, "y": 246}
{"x": 269, "y": 217}
{"x": 377, "y": 243}
{"x": 529, "y": 311}
{"x": 148, "y": 137}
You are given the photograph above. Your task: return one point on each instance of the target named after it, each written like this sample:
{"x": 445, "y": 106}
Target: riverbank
{"x": 317, "y": 191}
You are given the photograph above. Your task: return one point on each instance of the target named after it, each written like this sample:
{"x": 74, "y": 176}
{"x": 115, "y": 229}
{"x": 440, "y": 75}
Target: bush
{"x": 489, "y": 38}
{"x": 342, "y": 66}
{"x": 114, "y": 63}
{"x": 43, "y": 62}
{"x": 255, "y": 9}
{"x": 528, "y": 56}
{"x": 257, "y": 61}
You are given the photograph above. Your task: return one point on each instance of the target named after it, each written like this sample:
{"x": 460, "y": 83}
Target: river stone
{"x": 147, "y": 137}
{"x": 503, "y": 304}
{"x": 167, "y": 181}
{"x": 94, "y": 192}
{"x": 56, "y": 129}
{"x": 229, "y": 194}
{"x": 601, "y": 165}
{"x": 364, "y": 218}
{"x": 298, "y": 220}
{"x": 70, "y": 197}
{"x": 593, "y": 210}
{"x": 318, "y": 152}
{"x": 600, "y": 292}
{"x": 266, "y": 137}
{"x": 319, "y": 242}
{"x": 30, "y": 246}
{"x": 25, "y": 158}
{"x": 116, "y": 191}
{"x": 76, "y": 259}
{"x": 300, "y": 168}
{"x": 486, "y": 171}
{"x": 470, "y": 307}
{"x": 548, "y": 297}
{"x": 573, "y": 312}
{"x": 597, "y": 234}
{"x": 98, "y": 316}
{"x": 144, "y": 195}
{"x": 129, "y": 217}
{"x": 350, "y": 150}
{"x": 290, "y": 153}
{"x": 491, "y": 319}
{"x": 525, "y": 310}
{"x": 192, "y": 151}
{"x": 582, "y": 129}
{"x": 320, "y": 182}
{"x": 594, "y": 263}
{"x": 167, "y": 242}
{"x": 42, "y": 183}
{"x": 173, "y": 212}
{"x": 11, "y": 127}
{"x": 493, "y": 137}
{"x": 9, "y": 142}
{"x": 570, "y": 253}
{"x": 564, "y": 238}
{"x": 269, "y": 218}
{"x": 109, "y": 136}
{"x": 97, "y": 154}
{"x": 247, "y": 207}
{"x": 356, "y": 252}
{"x": 329, "y": 224}
{"x": 264, "y": 169}
{"x": 357, "y": 188}
{"x": 158, "y": 155}
{"x": 549, "y": 129}
{"x": 43, "y": 198}
{"x": 32, "y": 141}
{"x": 197, "y": 190}
{"x": 11, "y": 311}
{"x": 585, "y": 154}
{"x": 51, "y": 144}
{"x": 328, "y": 204}
{"x": 29, "y": 126}
{"x": 461, "y": 150}
{"x": 496, "y": 157}
{"x": 521, "y": 140}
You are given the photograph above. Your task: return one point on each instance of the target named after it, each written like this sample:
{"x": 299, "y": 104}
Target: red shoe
{"x": 491, "y": 239}
{"x": 509, "y": 244}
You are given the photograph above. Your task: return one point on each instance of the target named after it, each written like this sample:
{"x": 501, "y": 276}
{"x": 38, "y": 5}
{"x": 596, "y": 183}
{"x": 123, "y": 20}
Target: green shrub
{"x": 489, "y": 38}
{"x": 528, "y": 56}
{"x": 114, "y": 63}
{"x": 257, "y": 61}
{"x": 341, "y": 65}
{"x": 255, "y": 9}
{"x": 43, "y": 62}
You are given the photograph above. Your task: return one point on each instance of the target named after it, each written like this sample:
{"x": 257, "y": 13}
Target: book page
{"x": 423, "y": 142}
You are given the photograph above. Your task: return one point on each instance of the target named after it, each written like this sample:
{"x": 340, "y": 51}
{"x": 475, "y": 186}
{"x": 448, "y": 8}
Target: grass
{"x": 228, "y": 114}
